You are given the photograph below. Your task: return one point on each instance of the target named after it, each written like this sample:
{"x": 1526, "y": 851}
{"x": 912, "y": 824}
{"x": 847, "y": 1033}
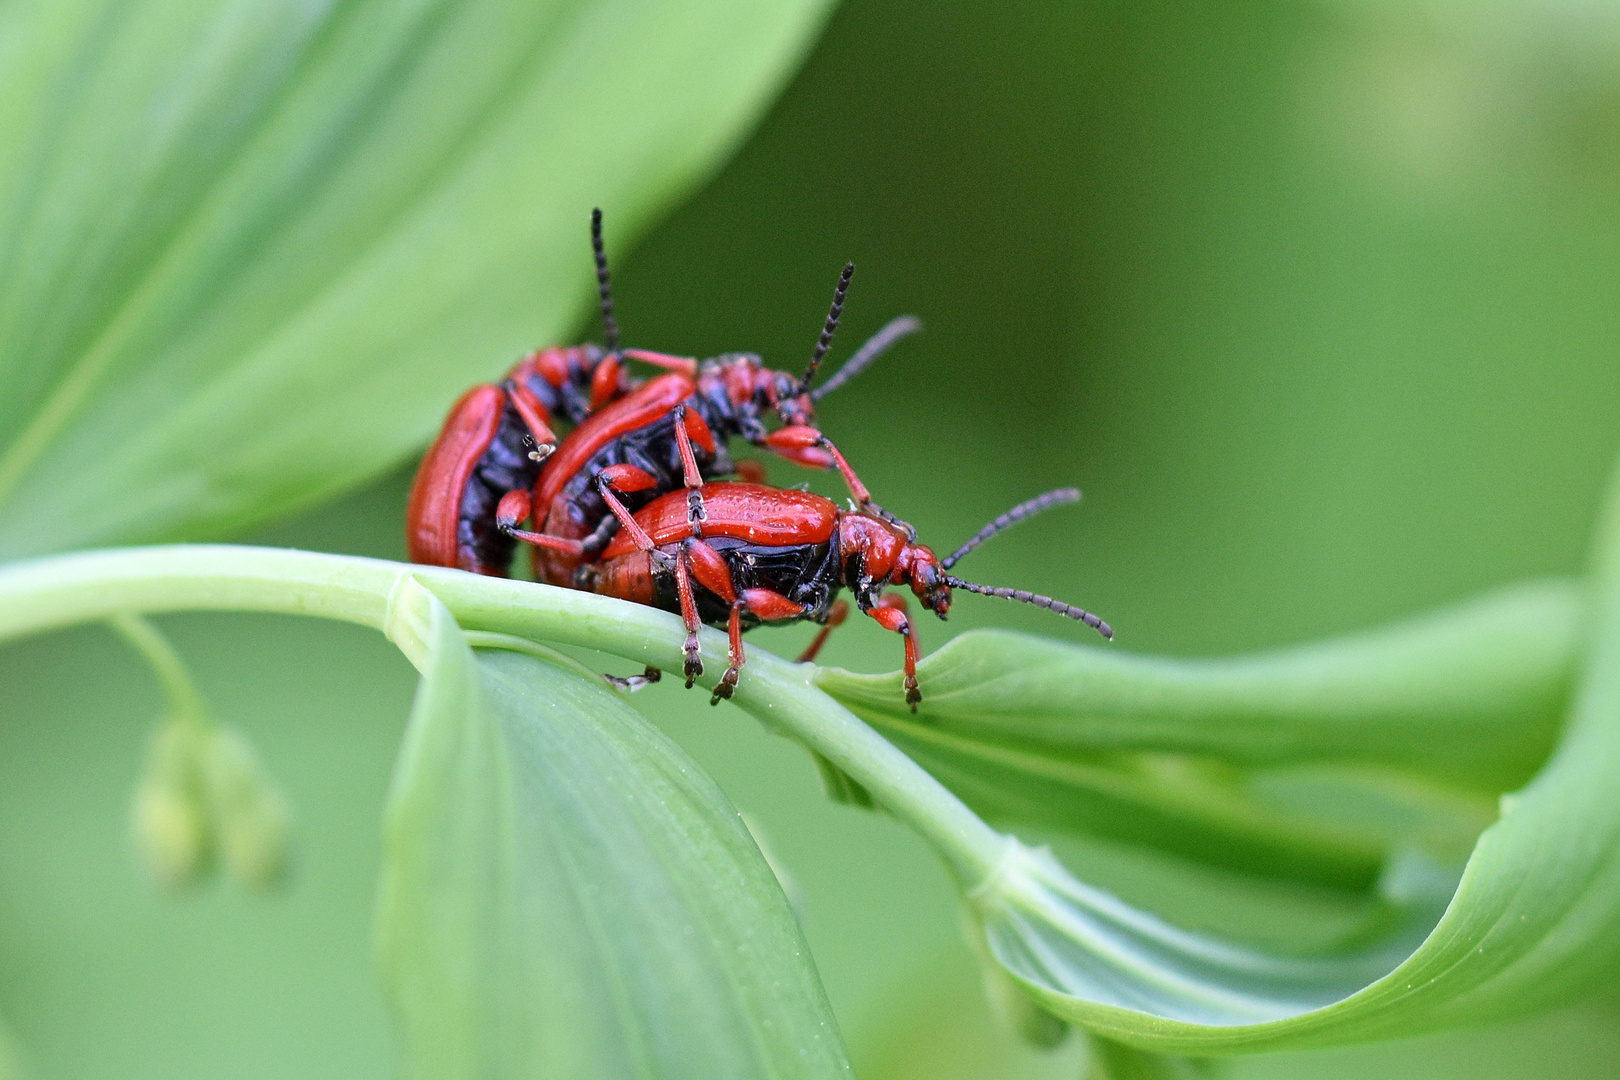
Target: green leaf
{"x": 1535, "y": 918}
{"x": 249, "y": 252}
{"x": 565, "y": 893}
{"x": 1310, "y": 763}
{"x": 1472, "y": 694}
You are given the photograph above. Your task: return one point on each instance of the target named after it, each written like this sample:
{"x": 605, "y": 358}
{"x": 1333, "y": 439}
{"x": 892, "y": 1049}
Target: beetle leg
{"x": 637, "y": 533}
{"x": 535, "y": 418}
{"x": 767, "y": 604}
{"x": 685, "y": 365}
{"x": 685, "y": 431}
{"x": 513, "y": 508}
{"x": 750, "y": 471}
{"x": 683, "y": 586}
{"x": 711, "y": 571}
{"x": 728, "y": 681}
{"x": 890, "y": 613}
{"x": 835, "y": 618}
{"x": 630, "y": 684}
{"x": 605, "y": 380}
{"x": 804, "y": 445}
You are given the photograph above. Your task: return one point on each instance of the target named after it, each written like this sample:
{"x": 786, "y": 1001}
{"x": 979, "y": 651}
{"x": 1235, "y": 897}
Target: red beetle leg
{"x": 770, "y": 605}
{"x": 890, "y": 613}
{"x": 683, "y": 440}
{"x": 793, "y": 442}
{"x": 698, "y": 430}
{"x": 711, "y": 570}
{"x": 685, "y": 365}
{"x": 637, "y": 533}
{"x": 512, "y": 510}
{"x": 767, "y": 604}
{"x": 750, "y": 471}
{"x": 728, "y": 681}
{"x": 627, "y": 478}
{"x": 798, "y": 444}
{"x": 835, "y": 618}
{"x": 535, "y": 417}
{"x": 856, "y": 488}
{"x": 605, "y": 381}
{"x": 683, "y": 586}
{"x": 572, "y": 549}
{"x": 696, "y": 515}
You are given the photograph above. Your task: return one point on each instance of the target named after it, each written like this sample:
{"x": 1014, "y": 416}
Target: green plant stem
{"x": 66, "y": 590}
{"x": 185, "y": 701}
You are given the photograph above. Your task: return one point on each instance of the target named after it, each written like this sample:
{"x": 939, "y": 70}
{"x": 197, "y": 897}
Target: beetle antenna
{"x": 875, "y": 346}
{"x": 829, "y": 327}
{"x": 1038, "y": 600}
{"x": 1012, "y": 517}
{"x": 610, "y": 326}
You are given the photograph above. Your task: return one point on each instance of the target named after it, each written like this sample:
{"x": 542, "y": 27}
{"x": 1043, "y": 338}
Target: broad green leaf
{"x": 1471, "y": 695}
{"x": 1311, "y": 763}
{"x": 566, "y": 894}
{"x": 251, "y": 251}
{"x": 1535, "y": 917}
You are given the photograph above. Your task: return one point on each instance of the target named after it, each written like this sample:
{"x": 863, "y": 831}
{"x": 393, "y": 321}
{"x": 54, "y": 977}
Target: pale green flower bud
{"x": 251, "y": 820}
{"x": 171, "y": 814}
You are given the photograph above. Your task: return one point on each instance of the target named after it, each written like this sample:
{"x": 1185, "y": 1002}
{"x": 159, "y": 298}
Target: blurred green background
{"x": 1316, "y": 302}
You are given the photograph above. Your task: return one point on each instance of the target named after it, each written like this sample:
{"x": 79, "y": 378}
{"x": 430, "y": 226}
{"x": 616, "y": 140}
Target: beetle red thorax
{"x": 887, "y": 557}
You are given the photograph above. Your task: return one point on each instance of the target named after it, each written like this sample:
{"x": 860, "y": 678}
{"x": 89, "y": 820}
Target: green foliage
{"x": 1531, "y": 921}
{"x": 248, "y": 252}
{"x": 566, "y": 894}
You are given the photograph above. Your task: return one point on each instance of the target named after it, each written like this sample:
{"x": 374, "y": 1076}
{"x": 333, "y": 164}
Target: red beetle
{"x": 480, "y": 478}
{"x": 767, "y": 555}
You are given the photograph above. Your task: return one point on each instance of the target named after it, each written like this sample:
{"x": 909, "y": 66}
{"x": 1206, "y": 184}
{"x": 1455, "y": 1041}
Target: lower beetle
{"x": 760, "y": 554}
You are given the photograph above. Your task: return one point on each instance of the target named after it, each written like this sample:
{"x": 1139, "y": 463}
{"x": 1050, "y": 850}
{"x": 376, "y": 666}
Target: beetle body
{"x": 487, "y": 472}
{"x": 487, "y": 447}
{"x": 759, "y": 554}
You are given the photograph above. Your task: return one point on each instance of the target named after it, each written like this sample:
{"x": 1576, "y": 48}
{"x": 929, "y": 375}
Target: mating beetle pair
{"x": 627, "y": 504}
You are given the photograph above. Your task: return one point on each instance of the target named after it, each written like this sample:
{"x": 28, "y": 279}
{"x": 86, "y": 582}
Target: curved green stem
{"x": 66, "y": 590}
{"x": 185, "y": 701}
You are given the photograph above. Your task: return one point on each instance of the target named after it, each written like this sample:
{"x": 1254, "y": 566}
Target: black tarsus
{"x": 1023, "y": 596}
{"x": 1028, "y": 509}
{"x": 610, "y": 326}
{"x": 876, "y": 346}
{"x": 829, "y": 327}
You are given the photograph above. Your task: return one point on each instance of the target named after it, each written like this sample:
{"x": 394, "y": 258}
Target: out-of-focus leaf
{"x": 1471, "y": 695}
{"x": 249, "y": 252}
{"x": 565, "y": 893}
{"x": 1310, "y": 764}
{"x": 1535, "y": 917}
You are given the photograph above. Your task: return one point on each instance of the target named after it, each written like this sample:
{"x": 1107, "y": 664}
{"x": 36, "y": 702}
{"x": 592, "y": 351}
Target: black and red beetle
{"x": 767, "y": 555}
{"x": 493, "y": 460}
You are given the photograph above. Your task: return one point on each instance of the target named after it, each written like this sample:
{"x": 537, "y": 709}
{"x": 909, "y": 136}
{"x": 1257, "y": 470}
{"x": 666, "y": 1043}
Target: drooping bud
{"x": 251, "y": 821}
{"x": 171, "y": 818}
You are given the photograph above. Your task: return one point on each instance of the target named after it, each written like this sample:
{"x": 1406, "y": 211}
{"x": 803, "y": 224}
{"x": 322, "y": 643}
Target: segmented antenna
{"x": 1038, "y": 600}
{"x": 875, "y": 346}
{"x": 610, "y": 326}
{"x": 831, "y": 325}
{"x": 1012, "y": 517}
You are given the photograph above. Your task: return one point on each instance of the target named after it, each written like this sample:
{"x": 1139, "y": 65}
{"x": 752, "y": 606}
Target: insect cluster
{"x": 633, "y": 503}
